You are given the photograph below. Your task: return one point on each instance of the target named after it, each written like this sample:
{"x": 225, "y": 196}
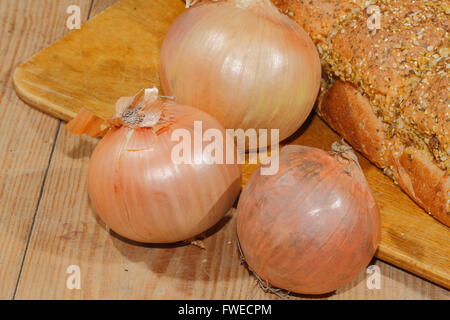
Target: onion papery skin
{"x": 249, "y": 67}
{"x": 311, "y": 228}
{"x": 141, "y": 194}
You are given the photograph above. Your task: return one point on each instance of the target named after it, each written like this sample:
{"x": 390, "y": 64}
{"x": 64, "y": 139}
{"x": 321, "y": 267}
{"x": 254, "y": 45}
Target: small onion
{"x": 243, "y": 62}
{"x": 313, "y": 226}
{"x": 136, "y": 188}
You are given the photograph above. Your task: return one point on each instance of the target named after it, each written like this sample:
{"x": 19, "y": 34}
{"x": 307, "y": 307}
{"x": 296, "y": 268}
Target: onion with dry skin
{"x": 313, "y": 226}
{"x": 243, "y": 62}
{"x": 137, "y": 188}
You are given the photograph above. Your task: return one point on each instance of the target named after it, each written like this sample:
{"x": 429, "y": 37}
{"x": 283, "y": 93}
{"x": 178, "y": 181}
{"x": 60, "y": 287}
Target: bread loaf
{"x": 386, "y": 91}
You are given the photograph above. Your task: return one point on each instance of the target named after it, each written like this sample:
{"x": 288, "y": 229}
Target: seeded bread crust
{"x": 386, "y": 91}
{"x": 349, "y": 112}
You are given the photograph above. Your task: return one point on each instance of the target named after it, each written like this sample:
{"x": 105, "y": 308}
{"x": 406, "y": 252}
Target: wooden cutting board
{"x": 117, "y": 53}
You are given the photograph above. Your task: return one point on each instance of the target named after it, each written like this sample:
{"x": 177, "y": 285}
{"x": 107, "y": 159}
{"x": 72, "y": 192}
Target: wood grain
{"x": 123, "y": 53}
{"x": 98, "y": 6}
{"x": 26, "y": 135}
{"x": 67, "y": 232}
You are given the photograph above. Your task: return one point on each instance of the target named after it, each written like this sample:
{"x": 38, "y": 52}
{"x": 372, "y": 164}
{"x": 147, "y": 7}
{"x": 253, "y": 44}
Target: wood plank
{"x": 99, "y": 6}
{"x": 67, "y": 232}
{"x": 72, "y": 66}
{"x": 26, "y": 135}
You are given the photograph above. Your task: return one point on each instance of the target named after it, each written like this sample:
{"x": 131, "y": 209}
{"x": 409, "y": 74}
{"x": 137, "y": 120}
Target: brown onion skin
{"x": 311, "y": 228}
{"x": 142, "y": 195}
{"x": 250, "y": 68}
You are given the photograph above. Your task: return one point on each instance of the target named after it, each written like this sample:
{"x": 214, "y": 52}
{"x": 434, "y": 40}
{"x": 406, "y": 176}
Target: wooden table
{"x": 48, "y": 225}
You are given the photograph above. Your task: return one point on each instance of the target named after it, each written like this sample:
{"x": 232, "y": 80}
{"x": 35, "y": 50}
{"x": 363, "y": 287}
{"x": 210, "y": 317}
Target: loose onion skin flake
{"x": 313, "y": 226}
{"x": 136, "y": 187}
{"x": 243, "y": 62}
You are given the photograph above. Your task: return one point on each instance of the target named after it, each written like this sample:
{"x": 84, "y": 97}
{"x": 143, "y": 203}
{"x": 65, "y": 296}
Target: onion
{"x": 243, "y": 62}
{"x": 138, "y": 190}
{"x": 313, "y": 226}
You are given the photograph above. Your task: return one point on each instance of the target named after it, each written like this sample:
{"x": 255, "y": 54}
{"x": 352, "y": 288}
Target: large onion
{"x": 137, "y": 188}
{"x": 313, "y": 226}
{"x": 243, "y": 62}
